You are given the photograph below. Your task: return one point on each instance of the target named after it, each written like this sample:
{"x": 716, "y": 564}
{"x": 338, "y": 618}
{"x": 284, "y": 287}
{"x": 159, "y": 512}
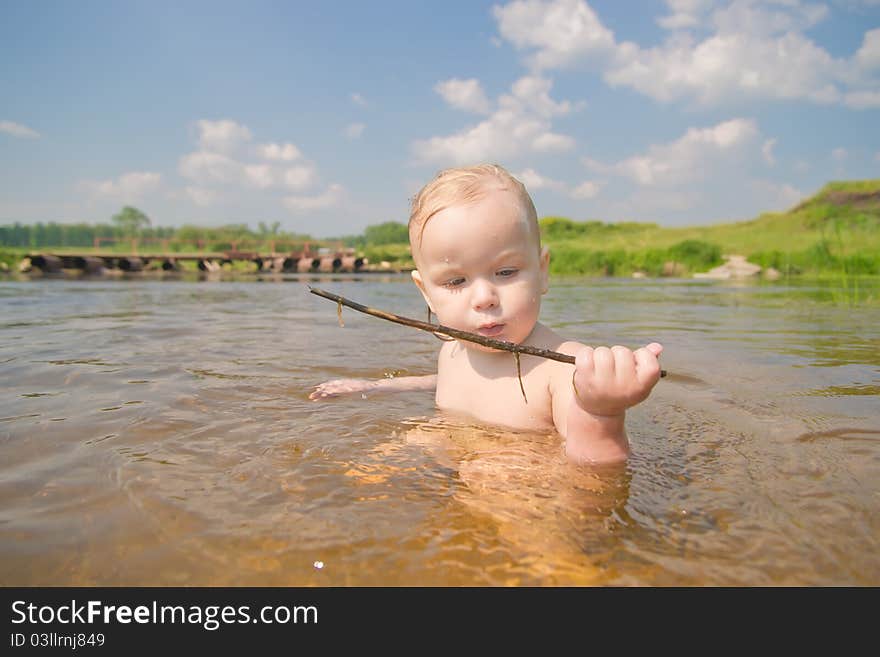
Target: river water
{"x": 159, "y": 432}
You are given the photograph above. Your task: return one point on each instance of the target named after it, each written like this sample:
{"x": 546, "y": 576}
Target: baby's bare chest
{"x": 497, "y": 395}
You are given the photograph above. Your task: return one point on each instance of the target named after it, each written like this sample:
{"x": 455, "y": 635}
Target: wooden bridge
{"x": 51, "y": 263}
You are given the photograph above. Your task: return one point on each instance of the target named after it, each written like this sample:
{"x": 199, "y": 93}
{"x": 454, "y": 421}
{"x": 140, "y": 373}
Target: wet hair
{"x": 463, "y": 185}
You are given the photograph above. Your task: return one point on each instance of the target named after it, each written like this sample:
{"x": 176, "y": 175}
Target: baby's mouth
{"x": 490, "y": 330}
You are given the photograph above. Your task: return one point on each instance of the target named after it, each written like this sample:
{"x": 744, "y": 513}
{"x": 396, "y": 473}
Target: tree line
{"x": 131, "y": 223}
{"x": 81, "y": 234}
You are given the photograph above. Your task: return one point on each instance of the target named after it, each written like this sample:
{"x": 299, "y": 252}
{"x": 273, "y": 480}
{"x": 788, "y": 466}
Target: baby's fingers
{"x": 647, "y": 365}
{"x": 320, "y": 392}
{"x": 328, "y": 389}
{"x": 584, "y": 362}
{"x": 655, "y": 348}
{"x": 603, "y": 359}
{"x": 624, "y": 363}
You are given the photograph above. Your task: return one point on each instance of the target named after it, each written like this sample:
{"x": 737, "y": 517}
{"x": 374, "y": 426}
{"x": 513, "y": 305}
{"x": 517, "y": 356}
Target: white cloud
{"x": 653, "y": 204}
{"x": 839, "y": 154}
{"x": 728, "y": 67}
{"x": 868, "y": 55}
{"x": 716, "y": 52}
{"x": 331, "y": 197}
{"x": 213, "y": 169}
{"x": 706, "y": 174}
{"x": 755, "y": 18}
{"x": 465, "y": 95}
{"x": 259, "y": 175}
{"x": 587, "y": 189}
{"x": 201, "y": 196}
{"x": 548, "y": 142}
{"x": 283, "y": 152}
{"x": 207, "y": 168}
{"x": 684, "y": 13}
{"x": 686, "y": 159}
{"x": 18, "y": 130}
{"x": 301, "y": 177}
{"x": 534, "y": 181}
{"x": 357, "y": 99}
{"x": 223, "y": 136}
{"x": 862, "y": 99}
{"x": 128, "y": 186}
{"x": 789, "y": 195}
{"x": 532, "y": 94}
{"x": 483, "y": 142}
{"x": 354, "y": 130}
{"x": 520, "y": 125}
{"x": 767, "y": 151}
{"x": 210, "y": 172}
{"x": 560, "y": 31}
{"x": 776, "y": 197}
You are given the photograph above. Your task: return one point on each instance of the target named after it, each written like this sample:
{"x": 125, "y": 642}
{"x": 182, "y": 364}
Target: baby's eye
{"x": 454, "y": 282}
{"x": 507, "y": 272}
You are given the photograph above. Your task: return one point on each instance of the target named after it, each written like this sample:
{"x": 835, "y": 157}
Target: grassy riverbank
{"x": 837, "y": 231}
{"x": 834, "y": 233}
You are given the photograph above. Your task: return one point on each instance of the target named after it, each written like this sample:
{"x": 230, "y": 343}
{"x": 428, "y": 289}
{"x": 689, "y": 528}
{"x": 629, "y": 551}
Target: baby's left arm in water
{"x": 338, "y": 387}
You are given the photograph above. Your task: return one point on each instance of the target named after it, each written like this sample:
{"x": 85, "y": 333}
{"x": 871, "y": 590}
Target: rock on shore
{"x": 736, "y": 267}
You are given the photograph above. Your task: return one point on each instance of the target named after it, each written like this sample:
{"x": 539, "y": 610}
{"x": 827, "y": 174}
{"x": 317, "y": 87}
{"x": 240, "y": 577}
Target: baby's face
{"x": 480, "y": 269}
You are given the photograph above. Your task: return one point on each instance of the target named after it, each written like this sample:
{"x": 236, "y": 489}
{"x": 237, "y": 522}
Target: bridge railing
{"x": 274, "y": 246}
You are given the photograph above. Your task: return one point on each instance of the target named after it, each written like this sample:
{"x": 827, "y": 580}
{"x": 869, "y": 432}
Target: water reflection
{"x": 159, "y": 432}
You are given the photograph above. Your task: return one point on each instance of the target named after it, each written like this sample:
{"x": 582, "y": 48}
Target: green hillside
{"x": 837, "y": 230}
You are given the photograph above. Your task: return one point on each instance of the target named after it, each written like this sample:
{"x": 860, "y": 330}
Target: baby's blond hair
{"x": 462, "y": 185}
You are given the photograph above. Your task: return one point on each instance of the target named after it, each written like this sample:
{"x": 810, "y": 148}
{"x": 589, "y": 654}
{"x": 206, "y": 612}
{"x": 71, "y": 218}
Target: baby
{"x": 480, "y": 267}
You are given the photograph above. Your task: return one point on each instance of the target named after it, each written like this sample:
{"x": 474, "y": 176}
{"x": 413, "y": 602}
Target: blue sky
{"x": 328, "y": 117}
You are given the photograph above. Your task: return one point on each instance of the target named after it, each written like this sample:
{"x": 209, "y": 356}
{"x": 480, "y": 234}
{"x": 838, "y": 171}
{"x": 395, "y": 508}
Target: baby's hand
{"x": 608, "y": 381}
{"x": 338, "y": 387}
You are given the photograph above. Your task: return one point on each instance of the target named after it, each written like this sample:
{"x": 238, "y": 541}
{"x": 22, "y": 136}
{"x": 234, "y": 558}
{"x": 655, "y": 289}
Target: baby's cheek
{"x": 448, "y": 315}
{"x": 528, "y": 307}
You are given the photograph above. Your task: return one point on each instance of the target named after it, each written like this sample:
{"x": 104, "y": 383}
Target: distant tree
{"x": 38, "y": 235}
{"x": 130, "y": 221}
{"x": 266, "y": 231}
{"x": 54, "y": 235}
{"x": 190, "y": 234}
{"x": 15, "y": 235}
{"x": 390, "y": 232}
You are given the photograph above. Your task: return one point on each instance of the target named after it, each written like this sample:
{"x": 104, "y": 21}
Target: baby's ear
{"x": 545, "y": 270}
{"x": 417, "y": 279}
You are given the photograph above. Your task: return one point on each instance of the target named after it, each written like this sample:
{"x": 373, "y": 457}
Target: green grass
{"x": 837, "y": 230}
{"x": 10, "y": 256}
{"x": 396, "y": 254}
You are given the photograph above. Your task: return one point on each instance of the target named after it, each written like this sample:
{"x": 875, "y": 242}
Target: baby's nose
{"x": 483, "y": 295}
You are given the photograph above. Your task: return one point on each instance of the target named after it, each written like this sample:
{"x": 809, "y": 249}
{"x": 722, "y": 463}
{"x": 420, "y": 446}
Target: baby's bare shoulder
{"x": 557, "y": 373}
{"x": 546, "y": 338}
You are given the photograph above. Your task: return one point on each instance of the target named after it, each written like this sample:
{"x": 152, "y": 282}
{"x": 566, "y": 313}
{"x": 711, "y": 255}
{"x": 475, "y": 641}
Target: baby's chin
{"x": 473, "y": 346}
{"x": 500, "y": 338}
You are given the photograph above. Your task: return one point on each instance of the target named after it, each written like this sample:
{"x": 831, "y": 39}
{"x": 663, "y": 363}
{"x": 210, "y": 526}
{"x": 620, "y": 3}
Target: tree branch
{"x": 501, "y": 345}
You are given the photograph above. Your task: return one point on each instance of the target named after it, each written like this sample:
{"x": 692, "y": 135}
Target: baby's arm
{"x": 593, "y": 403}
{"x": 338, "y": 387}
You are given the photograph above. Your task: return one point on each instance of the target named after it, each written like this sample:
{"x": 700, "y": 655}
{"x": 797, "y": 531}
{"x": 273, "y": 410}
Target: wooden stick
{"x": 501, "y": 345}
